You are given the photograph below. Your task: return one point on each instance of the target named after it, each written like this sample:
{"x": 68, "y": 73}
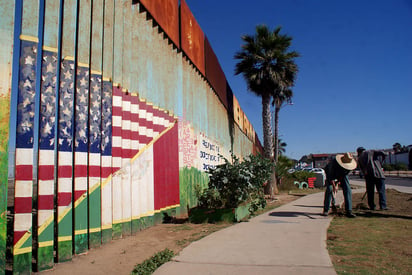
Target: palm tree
{"x": 281, "y": 147}
{"x": 269, "y": 70}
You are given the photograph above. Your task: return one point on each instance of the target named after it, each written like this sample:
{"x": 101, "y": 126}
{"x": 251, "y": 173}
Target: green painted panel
{"x": 45, "y": 258}
{"x": 188, "y": 179}
{"x": 80, "y": 225}
{"x": 95, "y": 217}
{"x": 22, "y": 264}
{"x": 117, "y": 231}
{"x": 64, "y": 245}
{"x": 64, "y": 249}
{"x": 127, "y": 228}
{"x": 95, "y": 239}
{"x": 107, "y": 235}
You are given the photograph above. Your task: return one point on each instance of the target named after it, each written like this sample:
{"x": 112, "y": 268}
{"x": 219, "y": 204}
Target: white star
{"x": 96, "y": 104}
{"x": 83, "y": 98}
{"x": 29, "y": 60}
{"x": 82, "y": 133}
{"x": 82, "y": 117}
{"x": 96, "y": 88}
{"x": 66, "y": 111}
{"x": 49, "y": 89}
{"x": 83, "y": 82}
{"x": 67, "y": 75}
{"x": 27, "y": 83}
{"x": 49, "y": 108}
{"x": 50, "y": 68}
{"x": 47, "y": 129}
{"x": 26, "y": 102}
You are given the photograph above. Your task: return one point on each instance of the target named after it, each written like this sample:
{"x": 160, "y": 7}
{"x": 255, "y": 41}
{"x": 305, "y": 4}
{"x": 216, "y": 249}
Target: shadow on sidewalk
{"x": 293, "y": 214}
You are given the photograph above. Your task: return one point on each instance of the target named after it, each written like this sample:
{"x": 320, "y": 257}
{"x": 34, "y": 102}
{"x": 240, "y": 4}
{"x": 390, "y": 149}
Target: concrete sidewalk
{"x": 290, "y": 239}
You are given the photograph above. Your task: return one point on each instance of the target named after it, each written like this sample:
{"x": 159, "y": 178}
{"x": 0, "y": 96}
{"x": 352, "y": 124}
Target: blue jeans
{"x": 371, "y": 182}
{"x": 347, "y": 195}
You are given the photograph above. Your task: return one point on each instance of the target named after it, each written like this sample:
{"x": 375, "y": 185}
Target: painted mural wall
{"x": 108, "y": 120}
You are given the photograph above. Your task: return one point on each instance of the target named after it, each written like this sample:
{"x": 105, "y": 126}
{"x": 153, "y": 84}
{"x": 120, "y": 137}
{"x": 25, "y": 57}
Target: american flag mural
{"x": 23, "y": 185}
{"x": 95, "y": 160}
{"x": 106, "y": 161}
{"x": 45, "y": 218}
{"x": 94, "y": 139}
{"x": 65, "y": 161}
{"x": 81, "y": 157}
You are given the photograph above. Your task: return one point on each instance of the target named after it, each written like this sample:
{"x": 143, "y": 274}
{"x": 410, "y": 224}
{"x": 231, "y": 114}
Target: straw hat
{"x": 346, "y": 161}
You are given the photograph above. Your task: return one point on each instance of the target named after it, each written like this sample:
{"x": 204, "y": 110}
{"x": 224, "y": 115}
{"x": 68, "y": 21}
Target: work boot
{"x": 349, "y": 214}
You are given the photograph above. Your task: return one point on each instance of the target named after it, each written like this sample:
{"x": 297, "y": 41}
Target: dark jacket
{"x": 370, "y": 162}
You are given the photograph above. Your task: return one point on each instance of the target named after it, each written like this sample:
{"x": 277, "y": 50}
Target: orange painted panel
{"x": 192, "y": 37}
{"x": 214, "y": 73}
{"x": 166, "y": 14}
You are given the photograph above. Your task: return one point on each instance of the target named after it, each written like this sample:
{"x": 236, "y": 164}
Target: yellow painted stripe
{"x": 23, "y": 239}
{"x": 166, "y": 208}
{"x": 109, "y": 79}
{"x": 46, "y": 224}
{"x": 84, "y": 65}
{"x": 46, "y": 244}
{"x": 122, "y": 221}
{"x": 80, "y": 232}
{"x": 19, "y": 251}
{"x": 80, "y": 199}
{"x": 106, "y": 181}
{"x": 50, "y": 49}
{"x": 108, "y": 226}
{"x": 29, "y": 38}
{"x": 71, "y": 58}
{"x": 65, "y": 212}
{"x": 95, "y": 230}
{"x": 94, "y": 187}
{"x": 96, "y": 72}
{"x": 64, "y": 238}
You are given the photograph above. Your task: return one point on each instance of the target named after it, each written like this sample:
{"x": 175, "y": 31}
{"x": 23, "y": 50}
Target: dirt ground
{"x": 120, "y": 256}
{"x": 399, "y": 204}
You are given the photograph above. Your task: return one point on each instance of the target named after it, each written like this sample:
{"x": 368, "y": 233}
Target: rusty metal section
{"x": 237, "y": 113}
{"x": 214, "y": 73}
{"x": 192, "y": 37}
{"x": 166, "y": 14}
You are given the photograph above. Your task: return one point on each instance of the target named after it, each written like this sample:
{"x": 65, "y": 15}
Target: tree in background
{"x": 269, "y": 70}
{"x": 281, "y": 147}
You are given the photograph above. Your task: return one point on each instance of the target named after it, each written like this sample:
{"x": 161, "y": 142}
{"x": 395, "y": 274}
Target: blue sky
{"x": 354, "y": 85}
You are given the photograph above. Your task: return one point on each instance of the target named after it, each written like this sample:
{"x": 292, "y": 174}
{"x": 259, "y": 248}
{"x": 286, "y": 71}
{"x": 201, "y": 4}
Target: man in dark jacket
{"x": 370, "y": 163}
{"x": 337, "y": 171}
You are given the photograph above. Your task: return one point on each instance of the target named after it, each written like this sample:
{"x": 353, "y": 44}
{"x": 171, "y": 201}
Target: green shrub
{"x": 302, "y": 175}
{"x": 233, "y": 183}
{"x": 149, "y": 266}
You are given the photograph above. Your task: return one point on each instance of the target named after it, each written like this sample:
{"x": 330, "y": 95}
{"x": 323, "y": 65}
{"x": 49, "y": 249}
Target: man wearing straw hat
{"x": 337, "y": 171}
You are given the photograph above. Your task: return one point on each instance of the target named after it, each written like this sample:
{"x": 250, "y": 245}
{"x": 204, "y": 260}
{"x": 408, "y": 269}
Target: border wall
{"x": 112, "y": 111}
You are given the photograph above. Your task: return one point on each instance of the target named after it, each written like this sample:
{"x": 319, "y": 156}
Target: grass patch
{"x": 375, "y": 242}
{"x": 149, "y": 266}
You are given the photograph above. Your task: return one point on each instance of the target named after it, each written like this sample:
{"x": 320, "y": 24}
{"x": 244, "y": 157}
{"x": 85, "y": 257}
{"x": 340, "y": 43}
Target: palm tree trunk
{"x": 267, "y": 127}
{"x": 267, "y": 137}
{"x": 276, "y": 148}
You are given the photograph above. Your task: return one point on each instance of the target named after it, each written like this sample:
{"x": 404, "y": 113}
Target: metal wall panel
{"x": 103, "y": 113}
{"x": 192, "y": 37}
{"x": 166, "y": 14}
{"x": 214, "y": 73}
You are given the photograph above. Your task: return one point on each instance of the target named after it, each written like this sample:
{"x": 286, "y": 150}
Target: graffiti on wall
{"x": 209, "y": 154}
